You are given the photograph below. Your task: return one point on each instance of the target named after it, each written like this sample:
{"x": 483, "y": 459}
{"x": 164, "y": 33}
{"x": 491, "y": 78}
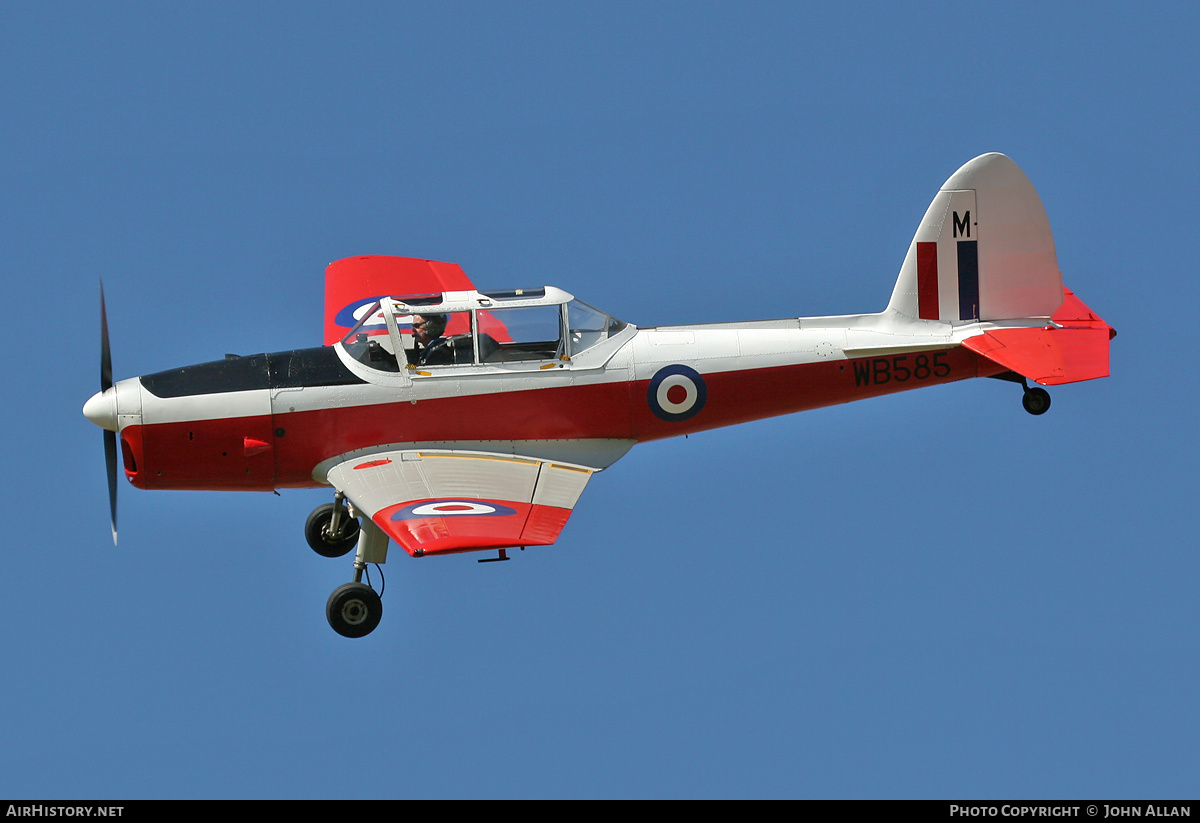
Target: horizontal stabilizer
{"x": 1073, "y": 348}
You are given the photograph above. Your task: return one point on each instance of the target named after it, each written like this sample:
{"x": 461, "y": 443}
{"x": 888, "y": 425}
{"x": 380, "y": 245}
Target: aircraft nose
{"x": 101, "y": 409}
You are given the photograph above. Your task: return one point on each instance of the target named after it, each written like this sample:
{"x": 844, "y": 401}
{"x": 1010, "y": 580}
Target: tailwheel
{"x": 330, "y": 530}
{"x": 354, "y": 610}
{"x": 1036, "y": 401}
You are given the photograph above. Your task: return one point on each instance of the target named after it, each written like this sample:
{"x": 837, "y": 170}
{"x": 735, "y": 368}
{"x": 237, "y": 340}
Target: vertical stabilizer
{"x": 983, "y": 251}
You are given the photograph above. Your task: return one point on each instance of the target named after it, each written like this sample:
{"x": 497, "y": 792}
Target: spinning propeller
{"x": 110, "y": 437}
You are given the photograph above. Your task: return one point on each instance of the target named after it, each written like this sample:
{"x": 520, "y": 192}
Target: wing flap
{"x": 1075, "y": 348}
{"x": 437, "y": 502}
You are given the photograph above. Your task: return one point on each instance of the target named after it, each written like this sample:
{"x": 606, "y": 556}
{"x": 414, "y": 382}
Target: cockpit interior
{"x": 520, "y": 327}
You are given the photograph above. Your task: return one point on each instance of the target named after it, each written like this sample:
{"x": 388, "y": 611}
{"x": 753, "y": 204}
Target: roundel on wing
{"x": 676, "y": 393}
{"x": 352, "y": 312}
{"x": 451, "y": 508}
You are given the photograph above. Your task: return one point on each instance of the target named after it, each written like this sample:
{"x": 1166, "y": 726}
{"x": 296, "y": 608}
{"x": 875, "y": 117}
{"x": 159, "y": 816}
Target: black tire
{"x": 316, "y": 532}
{"x": 354, "y": 610}
{"x": 1036, "y": 401}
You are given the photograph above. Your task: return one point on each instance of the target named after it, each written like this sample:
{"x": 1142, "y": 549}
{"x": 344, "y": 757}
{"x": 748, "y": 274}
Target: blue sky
{"x": 927, "y": 595}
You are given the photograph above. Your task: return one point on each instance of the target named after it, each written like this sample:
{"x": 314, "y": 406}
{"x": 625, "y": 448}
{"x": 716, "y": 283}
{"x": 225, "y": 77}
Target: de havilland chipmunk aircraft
{"x": 450, "y": 419}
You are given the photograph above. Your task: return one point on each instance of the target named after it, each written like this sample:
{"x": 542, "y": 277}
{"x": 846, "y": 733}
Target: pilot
{"x": 432, "y": 348}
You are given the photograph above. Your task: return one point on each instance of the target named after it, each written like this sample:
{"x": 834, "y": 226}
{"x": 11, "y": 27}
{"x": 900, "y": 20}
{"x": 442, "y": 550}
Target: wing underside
{"x": 438, "y": 502}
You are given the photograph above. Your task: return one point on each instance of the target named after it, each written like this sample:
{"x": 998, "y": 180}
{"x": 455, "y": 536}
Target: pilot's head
{"x": 428, "y": 327}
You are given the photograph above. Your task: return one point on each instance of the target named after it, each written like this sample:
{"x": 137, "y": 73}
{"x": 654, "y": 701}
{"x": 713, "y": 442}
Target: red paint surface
{"x": 530, "y": 526}
{"x": 210, "y": 454}
{"x": 1052, "y": 356}
{"x": 207, "y": 455}
{"x": 927, "y": 282}
{"x": 355, "y": 278}
{"x": 370, "y": 464}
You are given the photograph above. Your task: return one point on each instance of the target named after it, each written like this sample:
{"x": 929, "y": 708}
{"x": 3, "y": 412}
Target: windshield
{"x": 589, "y": 326}
{"x": 369, "y": 341}
{"x": 370, "y": 322}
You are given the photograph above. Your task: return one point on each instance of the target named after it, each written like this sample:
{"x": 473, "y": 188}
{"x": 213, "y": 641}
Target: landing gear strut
{"x": 1036, "y": 400}
{"x": 332, "y": 530}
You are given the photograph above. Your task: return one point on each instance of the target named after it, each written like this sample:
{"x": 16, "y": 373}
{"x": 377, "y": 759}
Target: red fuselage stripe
{"x": 211, "y": 454}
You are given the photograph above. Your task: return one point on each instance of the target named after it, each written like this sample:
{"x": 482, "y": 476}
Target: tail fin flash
{"x": 983, "y": 251}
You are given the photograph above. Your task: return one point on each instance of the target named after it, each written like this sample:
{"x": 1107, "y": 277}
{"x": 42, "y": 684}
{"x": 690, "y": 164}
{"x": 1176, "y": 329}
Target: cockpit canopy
{"x": 501, "y": 328}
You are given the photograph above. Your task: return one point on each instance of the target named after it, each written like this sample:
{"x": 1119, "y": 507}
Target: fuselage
{"x": 452, "y": 419}
{"x": 280, "y": 420}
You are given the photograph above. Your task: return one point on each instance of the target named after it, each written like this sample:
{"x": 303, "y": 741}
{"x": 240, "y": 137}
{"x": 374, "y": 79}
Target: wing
{"x": 437, "y": 502}
{"x": 355, "y": 282}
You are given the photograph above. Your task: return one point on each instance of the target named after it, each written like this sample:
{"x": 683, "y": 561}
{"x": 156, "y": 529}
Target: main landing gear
{"x": 354, "y": 610}
{"x": 332, "y": 530}
{"x": 1036, "y": 400}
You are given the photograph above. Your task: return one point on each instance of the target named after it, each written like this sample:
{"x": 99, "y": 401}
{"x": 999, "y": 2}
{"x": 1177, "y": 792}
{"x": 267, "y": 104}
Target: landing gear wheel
{"x": 354, "y": 610}
{"x": 316, "y": 532}
{"x": 1036, "y": 401}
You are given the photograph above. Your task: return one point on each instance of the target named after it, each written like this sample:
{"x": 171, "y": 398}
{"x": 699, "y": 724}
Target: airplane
{"x": 450, "y": 419}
